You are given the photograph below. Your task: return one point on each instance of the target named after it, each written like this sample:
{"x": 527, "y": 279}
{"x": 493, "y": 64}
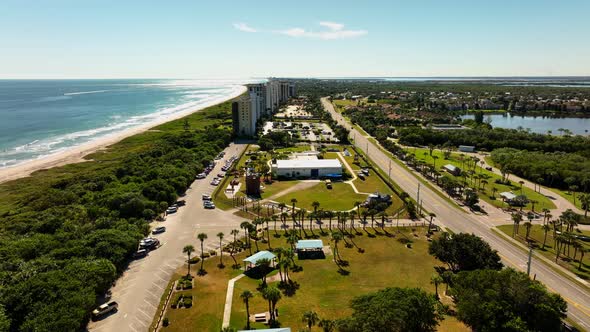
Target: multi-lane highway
{"x": 577, "y": 295}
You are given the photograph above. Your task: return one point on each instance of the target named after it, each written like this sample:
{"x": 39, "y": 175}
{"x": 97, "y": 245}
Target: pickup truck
{"x": 104, "y": 309}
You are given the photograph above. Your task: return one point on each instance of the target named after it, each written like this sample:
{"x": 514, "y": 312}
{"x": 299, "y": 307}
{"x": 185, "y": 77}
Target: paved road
{"x": 578, "y": 296}
{"x": 139, "y": 290}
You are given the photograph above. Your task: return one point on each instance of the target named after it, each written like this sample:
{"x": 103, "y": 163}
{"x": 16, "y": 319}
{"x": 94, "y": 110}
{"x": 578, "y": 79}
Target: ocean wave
{"x": 49, "y": 146}
{"x": 84, "y": 92}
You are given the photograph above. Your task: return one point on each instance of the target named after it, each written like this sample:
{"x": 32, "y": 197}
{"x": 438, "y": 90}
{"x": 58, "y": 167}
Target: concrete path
{"x": 229, "y": 299}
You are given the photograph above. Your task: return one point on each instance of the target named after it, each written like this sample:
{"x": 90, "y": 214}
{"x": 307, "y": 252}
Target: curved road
{"x": 574, "y": 293}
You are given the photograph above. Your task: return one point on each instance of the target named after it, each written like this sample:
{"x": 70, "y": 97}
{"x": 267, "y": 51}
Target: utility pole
{"x": 367, "y": 151}
{"x": 528, "y": 264}
{"x": 418, "y": 194}
{"x": 389, "y": 170}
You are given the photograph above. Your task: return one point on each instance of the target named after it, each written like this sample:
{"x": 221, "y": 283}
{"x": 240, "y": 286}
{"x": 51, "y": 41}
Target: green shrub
{"x": 194, "y": 260}
{"x": 212, "y": 252}
{"x": 165, "y": 322}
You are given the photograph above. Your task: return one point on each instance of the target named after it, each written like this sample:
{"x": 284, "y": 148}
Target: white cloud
{"x": 330, "y": 31}
{"x": 244, "y": 27}
{"x": 332, "y": 26}
{"x": 334, "y": 31}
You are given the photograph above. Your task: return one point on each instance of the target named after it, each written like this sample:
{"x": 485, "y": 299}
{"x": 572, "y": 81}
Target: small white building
{"x": 307, "y": 168}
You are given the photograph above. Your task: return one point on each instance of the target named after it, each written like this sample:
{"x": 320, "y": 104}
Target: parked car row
{"x": 207, "y": 170}
{"x": 229, "y": 163}
{"x": 220, "y": 155}
{"x": 174, "y": 207}
{"x": 208, "y": 202}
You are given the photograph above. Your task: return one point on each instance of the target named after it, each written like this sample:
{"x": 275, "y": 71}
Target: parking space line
{"x": 150, "y": 304}
{"x": 133, "y": 328}
{"x": 160, "y": 287}
{"x": 142, "y": 323}
{"x": 143, "y": 312}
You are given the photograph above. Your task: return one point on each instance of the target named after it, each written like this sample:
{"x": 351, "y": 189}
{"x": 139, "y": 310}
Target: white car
{"x": 171, "y": 209}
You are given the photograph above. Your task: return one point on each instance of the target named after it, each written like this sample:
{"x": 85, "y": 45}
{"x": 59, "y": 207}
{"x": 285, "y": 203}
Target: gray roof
{"x": 451, "y": 167}
{"x": 309, "y": 244}
{"x": 258, "y": 256}
{"x": 507, "y": 195}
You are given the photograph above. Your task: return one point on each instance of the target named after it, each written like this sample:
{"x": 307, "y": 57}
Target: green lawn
{"x": 486, "y": 190}
{"x": 569, "y": 196}
{"x": 567, "y": 261}
{"x": 340, "y": 197}
{"x": 563, "y": 193}
{"x": 385, "y": 263}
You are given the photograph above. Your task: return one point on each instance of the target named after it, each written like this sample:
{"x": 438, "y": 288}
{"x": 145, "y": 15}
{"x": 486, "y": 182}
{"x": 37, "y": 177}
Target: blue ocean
{"x": 43, "y": 117}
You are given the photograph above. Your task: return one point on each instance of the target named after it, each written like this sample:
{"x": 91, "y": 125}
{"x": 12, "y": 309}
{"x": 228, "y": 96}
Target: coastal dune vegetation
{"x": 66, "y": 233}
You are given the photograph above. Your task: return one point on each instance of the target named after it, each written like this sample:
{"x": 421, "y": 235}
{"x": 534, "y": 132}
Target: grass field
{"x": 327, "y": 292}
{"x": 486, "y": 189}
{"x": 536, "y": 236}
{"x": 385, "y": 263}
{"x": 340, "y": 198}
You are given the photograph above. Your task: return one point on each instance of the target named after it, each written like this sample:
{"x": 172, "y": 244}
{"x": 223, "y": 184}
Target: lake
{"x": 537, "y": 124}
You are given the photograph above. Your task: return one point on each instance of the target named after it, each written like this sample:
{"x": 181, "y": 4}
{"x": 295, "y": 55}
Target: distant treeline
{"x": 490, "y": 139}
{"x": 67, "y": 233}
{"x": 554, "y": 169}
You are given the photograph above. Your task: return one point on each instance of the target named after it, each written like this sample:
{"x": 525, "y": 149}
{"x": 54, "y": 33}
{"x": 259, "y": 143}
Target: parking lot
{"x": 139, "y": 290}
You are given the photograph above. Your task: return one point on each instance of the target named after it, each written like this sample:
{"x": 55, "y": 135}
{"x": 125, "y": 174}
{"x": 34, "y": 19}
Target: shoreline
{"x": 77, "y": 153}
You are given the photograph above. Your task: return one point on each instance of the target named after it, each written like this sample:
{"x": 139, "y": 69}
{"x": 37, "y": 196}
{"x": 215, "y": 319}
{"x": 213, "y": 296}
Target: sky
{"x": 243, "y": 39}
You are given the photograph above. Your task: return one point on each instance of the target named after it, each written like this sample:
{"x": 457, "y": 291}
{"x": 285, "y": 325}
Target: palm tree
{"x": 235, "y": 233}
{"x": 528, "y": 226}
{"x": 282, "y": 206}
{"x": 582, "y": 252}
{"x": 327, "y": 325}
{"x": 336, "y": 237}
{"x": 188, "y": 250}
{"x": 315, "y": 205}
{"x": 202, "y": 237}
{"x": 246, "y": 296}
{"x": 310, "y": 318}
{"x": 516, "y": 219}
{"x": 546, "y": 228}
{"x": 432, "y": 216}
{"x": 436, "y": 280}
{"x": 357, "y": 205}
{"x": 330, "y": 215}
{"x": 245, "y": 225}
{"x": 293, "y": 202}
{"x": 220, "y": 236}
{"x": 274, "y": 218}
{"x": 272, "y": 295}
{"x": 263, "y": 264}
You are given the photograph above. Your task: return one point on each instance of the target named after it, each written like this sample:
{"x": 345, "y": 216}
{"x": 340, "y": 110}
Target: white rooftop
{"x": 316, "y": 163}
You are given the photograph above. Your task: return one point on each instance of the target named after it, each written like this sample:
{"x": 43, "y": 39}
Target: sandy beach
{"x": 76, "y": 154}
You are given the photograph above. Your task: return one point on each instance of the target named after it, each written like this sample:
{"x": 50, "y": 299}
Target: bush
{"x": 188, "y": 301}
{"x": 194, "y": 260}
{"x": 212, "y": 252}
{"x": 206, "y": 255}
{"x": 165, "y": 322}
